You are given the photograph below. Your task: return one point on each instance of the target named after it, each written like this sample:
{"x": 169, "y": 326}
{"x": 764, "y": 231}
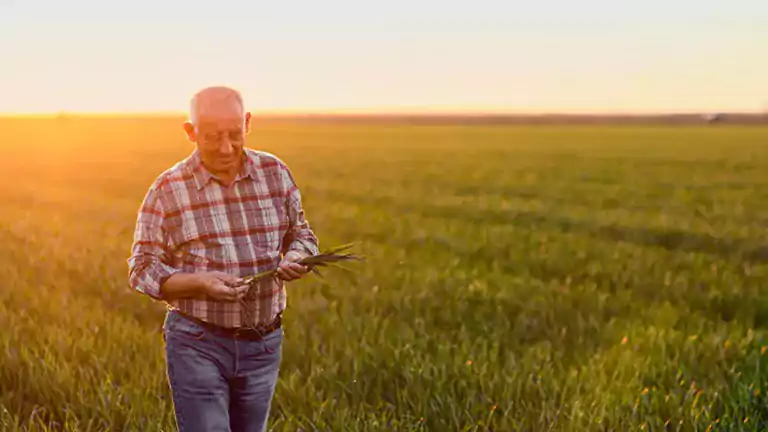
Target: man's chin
{"x": 224, "y": 165}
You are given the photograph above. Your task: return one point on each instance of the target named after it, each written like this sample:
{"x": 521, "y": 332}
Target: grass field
{"x": 517, "y": 278}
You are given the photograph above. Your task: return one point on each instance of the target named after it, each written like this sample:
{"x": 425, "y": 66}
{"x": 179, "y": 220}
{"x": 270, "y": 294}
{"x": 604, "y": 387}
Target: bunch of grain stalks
{"x": 330, "y": 258}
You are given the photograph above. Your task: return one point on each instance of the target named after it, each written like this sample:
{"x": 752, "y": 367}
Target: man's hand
{"x": 195, "y": 285}
{"x": 215, "y": 285}
{"x": 289, "y": 268}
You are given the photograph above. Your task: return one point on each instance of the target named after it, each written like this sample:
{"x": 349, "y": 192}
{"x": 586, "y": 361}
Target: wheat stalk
{"x": 330, "y": 258}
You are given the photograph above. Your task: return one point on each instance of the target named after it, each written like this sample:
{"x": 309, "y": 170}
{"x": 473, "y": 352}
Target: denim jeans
{"x": 219, "y": 383}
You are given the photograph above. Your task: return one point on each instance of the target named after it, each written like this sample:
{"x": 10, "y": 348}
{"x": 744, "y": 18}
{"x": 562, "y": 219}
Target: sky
{"x": 590, "y": 56}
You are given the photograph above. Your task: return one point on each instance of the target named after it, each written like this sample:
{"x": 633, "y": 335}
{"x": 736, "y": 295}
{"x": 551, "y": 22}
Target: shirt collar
{"x": 201, "y": 176}
{"x": 250, "y": 165}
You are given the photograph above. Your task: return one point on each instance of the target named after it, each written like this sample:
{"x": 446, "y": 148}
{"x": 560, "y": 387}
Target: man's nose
{"x": 226, "y": 147}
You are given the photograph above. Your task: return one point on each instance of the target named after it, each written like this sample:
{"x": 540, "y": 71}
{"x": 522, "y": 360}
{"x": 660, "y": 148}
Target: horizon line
{"x": 363, "y": 113}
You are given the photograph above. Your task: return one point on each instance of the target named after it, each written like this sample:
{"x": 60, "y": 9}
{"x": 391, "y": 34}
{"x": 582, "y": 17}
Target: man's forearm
{"x": 181, "y": 285}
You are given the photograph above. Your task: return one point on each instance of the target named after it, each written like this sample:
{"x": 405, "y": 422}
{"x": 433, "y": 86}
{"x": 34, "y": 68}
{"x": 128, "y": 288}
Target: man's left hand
{"x": 289, "y": 268}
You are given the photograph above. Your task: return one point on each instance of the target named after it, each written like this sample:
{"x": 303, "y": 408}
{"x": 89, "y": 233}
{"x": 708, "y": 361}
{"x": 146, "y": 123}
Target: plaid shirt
{"x": 190, "y": 222}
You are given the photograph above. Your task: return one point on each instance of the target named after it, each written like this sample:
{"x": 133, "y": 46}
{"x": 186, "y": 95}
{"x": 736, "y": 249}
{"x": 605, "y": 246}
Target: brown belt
{"x": 248, "y": 333}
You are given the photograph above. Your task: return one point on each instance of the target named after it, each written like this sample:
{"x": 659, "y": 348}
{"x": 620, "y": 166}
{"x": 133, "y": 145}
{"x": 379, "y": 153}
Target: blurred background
{"x": 562, "y": 207}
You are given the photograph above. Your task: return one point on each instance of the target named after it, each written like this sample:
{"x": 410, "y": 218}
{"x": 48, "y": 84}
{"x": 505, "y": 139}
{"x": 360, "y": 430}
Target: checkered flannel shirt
{"x": 190, "y": 222}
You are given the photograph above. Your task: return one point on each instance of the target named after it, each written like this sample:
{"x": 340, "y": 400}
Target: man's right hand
{"x": 215, "y": 285}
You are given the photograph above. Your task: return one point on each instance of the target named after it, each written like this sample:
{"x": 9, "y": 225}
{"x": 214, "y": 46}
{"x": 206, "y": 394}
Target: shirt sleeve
{"x": 299, "y": 236}
{"x": 149, "y": 262}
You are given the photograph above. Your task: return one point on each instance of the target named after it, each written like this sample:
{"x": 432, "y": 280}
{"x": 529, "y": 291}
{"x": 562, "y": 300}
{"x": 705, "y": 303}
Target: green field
{"x": 517, "y": 278}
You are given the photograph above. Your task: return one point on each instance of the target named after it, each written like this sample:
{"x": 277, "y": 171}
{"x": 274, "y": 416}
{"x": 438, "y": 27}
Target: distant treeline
{"x": 463, "y": 119}
{"x": 546, "y": 119}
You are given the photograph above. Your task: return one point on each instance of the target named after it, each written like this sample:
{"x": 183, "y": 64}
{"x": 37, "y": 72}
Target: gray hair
{"x": 208, "y": 96}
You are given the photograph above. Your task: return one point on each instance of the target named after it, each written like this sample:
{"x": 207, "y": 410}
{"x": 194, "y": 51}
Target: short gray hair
{"x": 214, "y": 94}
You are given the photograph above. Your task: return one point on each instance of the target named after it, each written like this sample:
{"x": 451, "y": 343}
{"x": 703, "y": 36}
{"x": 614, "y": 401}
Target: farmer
{"x": 222, "y": 213}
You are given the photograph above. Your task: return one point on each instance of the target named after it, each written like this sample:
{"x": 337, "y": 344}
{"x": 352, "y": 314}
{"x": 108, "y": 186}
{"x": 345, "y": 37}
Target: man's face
{"x": 220, "y": 137}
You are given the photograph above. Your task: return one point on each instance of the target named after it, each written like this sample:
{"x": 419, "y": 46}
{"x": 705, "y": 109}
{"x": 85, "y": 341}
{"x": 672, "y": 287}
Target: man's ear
{"x": 189, "y": 128}
{"x": 247, "y": 122}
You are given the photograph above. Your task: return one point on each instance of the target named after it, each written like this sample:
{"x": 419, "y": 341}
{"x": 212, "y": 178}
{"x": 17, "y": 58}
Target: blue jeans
{"x": 219, "y": 383}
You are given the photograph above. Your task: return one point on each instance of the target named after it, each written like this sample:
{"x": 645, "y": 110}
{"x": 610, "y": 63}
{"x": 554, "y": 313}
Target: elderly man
{"x": 220, "y": 214}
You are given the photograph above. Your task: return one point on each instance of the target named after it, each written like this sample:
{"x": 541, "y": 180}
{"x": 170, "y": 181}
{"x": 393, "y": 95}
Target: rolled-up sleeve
{"x": 149, "y": 261}
{"x": 299, "y": 236}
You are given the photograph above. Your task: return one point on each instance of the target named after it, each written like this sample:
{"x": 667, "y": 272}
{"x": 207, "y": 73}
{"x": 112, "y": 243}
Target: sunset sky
{"x": 514, "y": 56}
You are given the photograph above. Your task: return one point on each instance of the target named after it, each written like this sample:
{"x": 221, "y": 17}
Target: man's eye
{"x": 235, "y": 136}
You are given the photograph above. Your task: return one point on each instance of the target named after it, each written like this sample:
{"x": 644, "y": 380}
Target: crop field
{"x": 544, "y": 278}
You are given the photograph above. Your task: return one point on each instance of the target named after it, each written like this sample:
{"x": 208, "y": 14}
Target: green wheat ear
{"x": 328, "y": 258}
{"x": 339, "y": 248}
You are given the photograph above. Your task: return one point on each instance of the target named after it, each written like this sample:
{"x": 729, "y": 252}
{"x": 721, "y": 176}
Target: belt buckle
{"x": 261, "y": 329}
{"x": 241, "y": 330}
{"x": 250, "y": 332}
